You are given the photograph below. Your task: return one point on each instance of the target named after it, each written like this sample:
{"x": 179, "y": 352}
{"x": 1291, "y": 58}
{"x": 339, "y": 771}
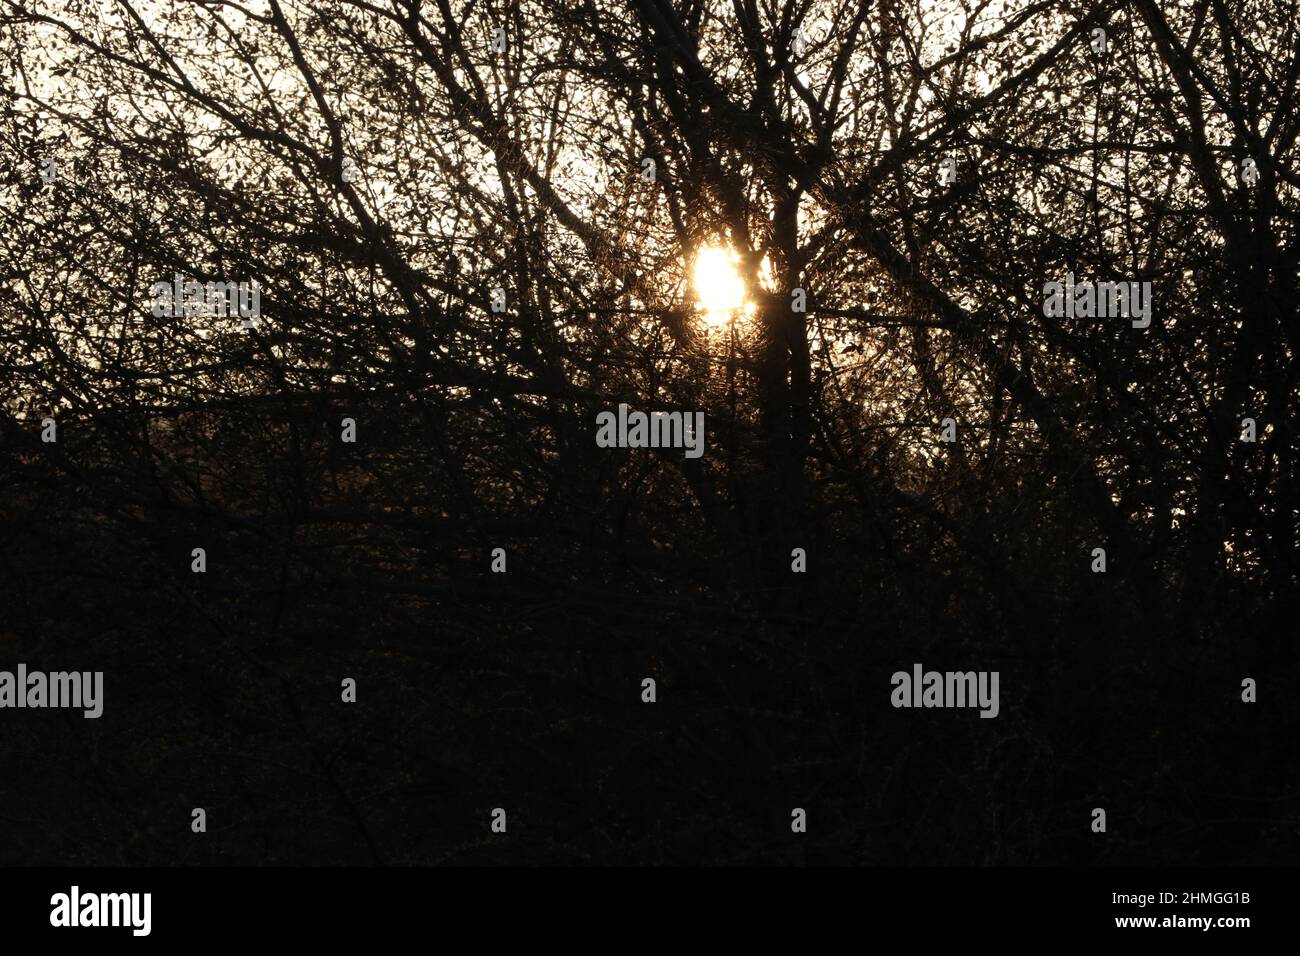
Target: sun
{"x": 719, "y": 289}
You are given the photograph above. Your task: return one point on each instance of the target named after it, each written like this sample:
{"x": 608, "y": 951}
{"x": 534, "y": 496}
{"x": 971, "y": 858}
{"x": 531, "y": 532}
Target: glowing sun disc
{"x": 719, "y": 289}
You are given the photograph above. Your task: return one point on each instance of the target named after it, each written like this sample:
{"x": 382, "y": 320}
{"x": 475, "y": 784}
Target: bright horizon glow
{"x": 718, "y": 287}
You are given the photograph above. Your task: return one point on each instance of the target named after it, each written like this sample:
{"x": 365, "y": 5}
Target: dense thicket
{"x": 381, "y": 167}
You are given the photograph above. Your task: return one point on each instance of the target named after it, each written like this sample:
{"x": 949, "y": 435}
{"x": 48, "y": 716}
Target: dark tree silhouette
{"x": 473, "y": 226}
